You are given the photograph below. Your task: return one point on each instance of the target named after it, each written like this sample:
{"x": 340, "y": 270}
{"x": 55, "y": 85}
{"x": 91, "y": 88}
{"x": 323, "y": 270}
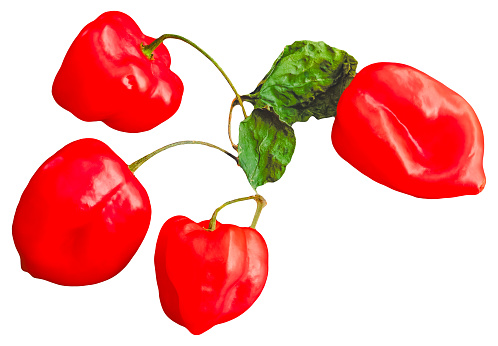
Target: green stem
{"x": 148, "y": 49}
{"x": 261, "y": 203}
{"x": 235, "y": 102}
{"x": 134, "y": 166}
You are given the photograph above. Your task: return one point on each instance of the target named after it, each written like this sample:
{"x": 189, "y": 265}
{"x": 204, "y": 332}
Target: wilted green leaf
{"x": 306, "y": 80}
{"x": 266, "y": 145}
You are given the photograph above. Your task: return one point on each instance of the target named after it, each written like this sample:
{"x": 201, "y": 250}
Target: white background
{"x": 351, "y": 261}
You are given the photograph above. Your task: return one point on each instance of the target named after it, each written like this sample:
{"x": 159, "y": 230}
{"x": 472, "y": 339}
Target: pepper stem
{"x": 148, "y": 49}
{"x": 261, "y": 203}
{"x": 235, "y": 102}
{"x": 134, "y": 166}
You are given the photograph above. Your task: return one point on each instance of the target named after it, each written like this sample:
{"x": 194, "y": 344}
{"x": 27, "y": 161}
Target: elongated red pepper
{"x": 208, "y": 277}
{"x": 106, "y": 76}
{"x": 404, "y": 129}
{"x": 82, "y": 216}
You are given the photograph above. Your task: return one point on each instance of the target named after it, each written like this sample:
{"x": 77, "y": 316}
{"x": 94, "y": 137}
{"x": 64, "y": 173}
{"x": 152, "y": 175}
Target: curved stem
{"x": 235, "y": 146}
{"x": 261, "y": 203}
{"x": 148, "y": 49}
{"x": 134, "y": 166}
{"x": 235, "y": 102}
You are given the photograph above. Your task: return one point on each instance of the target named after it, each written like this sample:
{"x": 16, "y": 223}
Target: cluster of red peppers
{"x": 84, "y": 214}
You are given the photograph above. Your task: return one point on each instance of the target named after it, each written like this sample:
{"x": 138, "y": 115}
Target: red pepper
{"x": 404, "y": 129}
{"x": 208, "y": 277}
{"x": 82, "y": 216}
{"x": 106, "y": 76}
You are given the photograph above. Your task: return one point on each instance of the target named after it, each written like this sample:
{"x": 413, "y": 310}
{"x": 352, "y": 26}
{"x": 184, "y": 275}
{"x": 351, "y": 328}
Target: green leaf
{"x": 266, "y": 145}
{"x": 306, "y": 80}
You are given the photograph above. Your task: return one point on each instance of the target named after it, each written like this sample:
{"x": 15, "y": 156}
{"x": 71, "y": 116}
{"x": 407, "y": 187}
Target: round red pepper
{"x": 404, "y": 129}
{"x": 208, "y": 277}
{"x": 82, "y": 216}
{"x": 106, "y": 76}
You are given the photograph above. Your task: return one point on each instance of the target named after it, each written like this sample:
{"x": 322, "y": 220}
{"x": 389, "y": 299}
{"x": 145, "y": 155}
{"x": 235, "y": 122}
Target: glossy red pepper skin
{"x": 82, "y": 216}
{"x": 105, "y": 76}
{"x": 208, "y": 277}
{"x": 405, "y": 130}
